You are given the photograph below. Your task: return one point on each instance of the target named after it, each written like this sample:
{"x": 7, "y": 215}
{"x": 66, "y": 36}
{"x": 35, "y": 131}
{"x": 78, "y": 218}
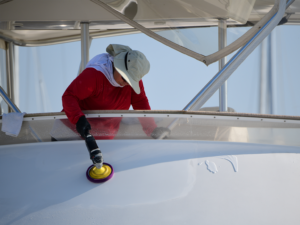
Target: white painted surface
{"x": 155, "y": 182}
{"x": 233, "y": 160}
{"x": 211, "y": 166}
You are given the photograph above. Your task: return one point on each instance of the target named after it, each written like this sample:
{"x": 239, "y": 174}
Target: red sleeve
{"x": 140, "y": 102}
{"x": 84, "y": 86}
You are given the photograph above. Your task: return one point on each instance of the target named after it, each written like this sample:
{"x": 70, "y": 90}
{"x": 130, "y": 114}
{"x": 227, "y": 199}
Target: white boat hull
{"x": 155, "y": 182}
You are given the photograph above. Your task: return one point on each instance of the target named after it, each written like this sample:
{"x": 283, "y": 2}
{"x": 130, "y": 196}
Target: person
{"x": 110, "y": 81}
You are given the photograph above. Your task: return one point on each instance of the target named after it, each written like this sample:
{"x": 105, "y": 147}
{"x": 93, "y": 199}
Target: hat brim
{"x": 119, "y": 64}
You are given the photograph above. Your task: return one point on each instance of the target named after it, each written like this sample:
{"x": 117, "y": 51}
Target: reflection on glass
{"x": 102, "y": 128}
{"x": 277, "y": 132}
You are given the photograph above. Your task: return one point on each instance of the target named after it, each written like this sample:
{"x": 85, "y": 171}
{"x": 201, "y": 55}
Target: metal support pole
{"x": 16, "y": 76}
{"x": 85, "y": 39}
{"x": 10, "y": 71}
{"x": 268, "y": 92}
{"x": 263, "y": 94}
{"x": 11, "y": 52}
{"x": 273, "y": 54}
{"x": 222, "y": 44}
{"x": 80, "y": 65}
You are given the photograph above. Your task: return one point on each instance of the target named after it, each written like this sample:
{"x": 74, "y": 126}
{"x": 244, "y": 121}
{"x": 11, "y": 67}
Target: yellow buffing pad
{"x": 101, "y": 173}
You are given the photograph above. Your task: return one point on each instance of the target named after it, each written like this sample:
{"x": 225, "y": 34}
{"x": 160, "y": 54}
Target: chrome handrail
{"x": 8, "y": 101}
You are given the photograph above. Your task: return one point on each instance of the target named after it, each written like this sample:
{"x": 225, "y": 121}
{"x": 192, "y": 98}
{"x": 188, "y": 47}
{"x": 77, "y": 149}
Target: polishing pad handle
{"x": 90, "y": 143}
{"x": 95, "y": 153}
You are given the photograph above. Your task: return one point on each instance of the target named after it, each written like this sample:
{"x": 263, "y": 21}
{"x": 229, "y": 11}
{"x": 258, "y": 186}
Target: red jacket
{"x": 92, "y": 91}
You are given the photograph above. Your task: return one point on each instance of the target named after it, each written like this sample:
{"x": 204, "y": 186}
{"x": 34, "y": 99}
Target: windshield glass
{"x": 193, "y": 126}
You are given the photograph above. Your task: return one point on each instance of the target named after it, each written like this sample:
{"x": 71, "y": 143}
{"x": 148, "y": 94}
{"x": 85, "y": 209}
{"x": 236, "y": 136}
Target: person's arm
{"x": 84, "y": 86}
{"x": 140, "y": 102}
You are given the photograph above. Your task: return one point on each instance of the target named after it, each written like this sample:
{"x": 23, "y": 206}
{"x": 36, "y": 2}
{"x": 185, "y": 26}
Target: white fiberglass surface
{"x": 155, "y": 182}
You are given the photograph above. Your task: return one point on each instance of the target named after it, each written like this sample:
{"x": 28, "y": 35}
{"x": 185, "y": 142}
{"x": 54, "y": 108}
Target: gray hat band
{"x": 126, "y": 61}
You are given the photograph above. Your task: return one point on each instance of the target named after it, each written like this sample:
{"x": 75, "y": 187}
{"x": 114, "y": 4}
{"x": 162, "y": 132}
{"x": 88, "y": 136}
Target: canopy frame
{"x": 205, "y": 59}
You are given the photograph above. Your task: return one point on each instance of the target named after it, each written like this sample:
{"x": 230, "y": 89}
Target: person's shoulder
{"x": 93, "y": 72}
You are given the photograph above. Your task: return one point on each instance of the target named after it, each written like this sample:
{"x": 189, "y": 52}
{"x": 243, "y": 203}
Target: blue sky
{"x": 174, "y": 79}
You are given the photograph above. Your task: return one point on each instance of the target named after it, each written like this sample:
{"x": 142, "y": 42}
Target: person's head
{"x": 130, "y": 65}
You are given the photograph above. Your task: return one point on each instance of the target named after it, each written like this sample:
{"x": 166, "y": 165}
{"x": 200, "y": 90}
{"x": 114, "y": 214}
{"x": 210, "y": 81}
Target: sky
{"x": 174, "y": 79}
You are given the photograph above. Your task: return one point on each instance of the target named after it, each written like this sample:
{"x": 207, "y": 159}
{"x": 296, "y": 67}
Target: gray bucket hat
{"x": 131, "y": 64}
